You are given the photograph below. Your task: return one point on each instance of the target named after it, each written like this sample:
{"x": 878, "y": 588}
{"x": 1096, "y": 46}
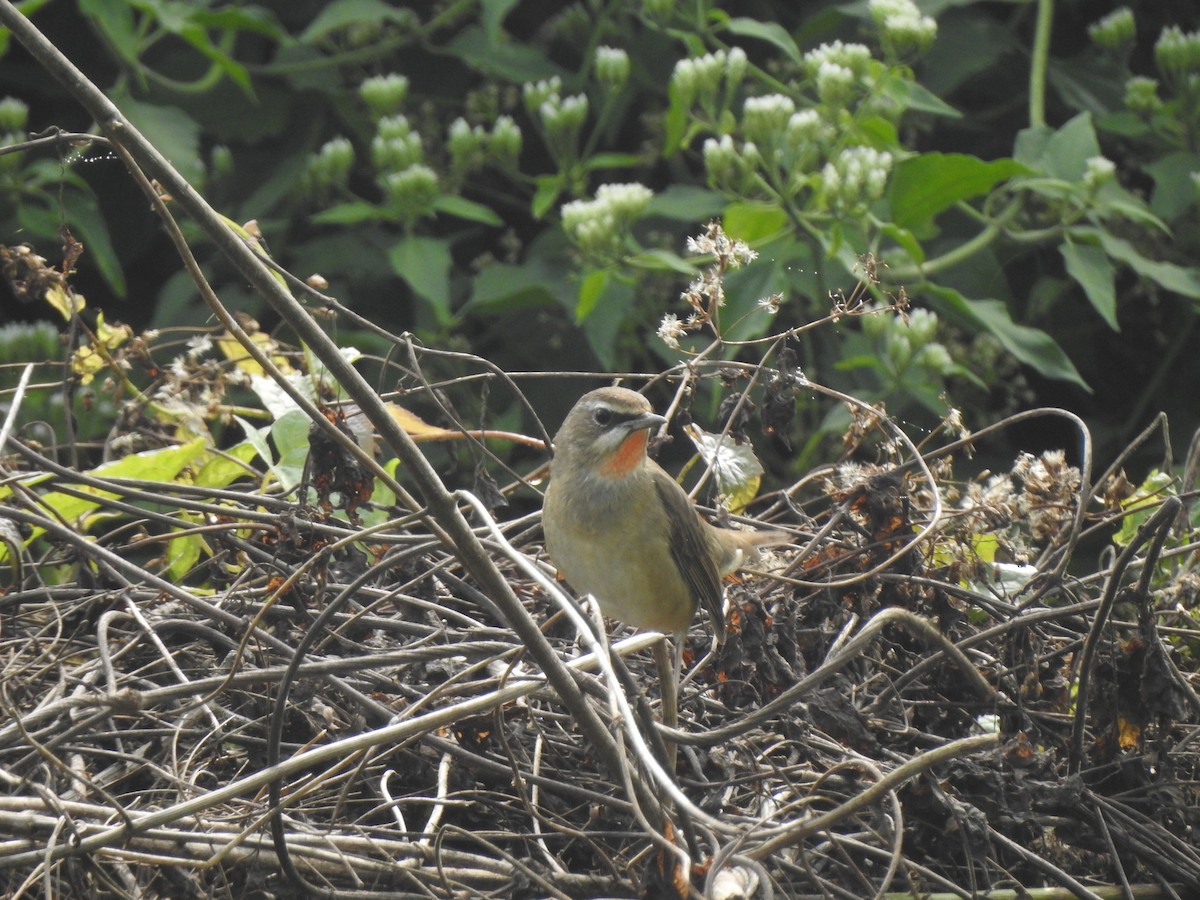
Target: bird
{"x": 617, "y": 526}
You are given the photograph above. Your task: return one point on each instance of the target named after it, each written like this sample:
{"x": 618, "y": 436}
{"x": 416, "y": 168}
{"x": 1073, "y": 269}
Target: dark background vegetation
{"x": 245, "y": 122}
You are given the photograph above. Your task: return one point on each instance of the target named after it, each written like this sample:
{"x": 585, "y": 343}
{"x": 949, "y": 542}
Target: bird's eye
{"x": 602, "y": 416}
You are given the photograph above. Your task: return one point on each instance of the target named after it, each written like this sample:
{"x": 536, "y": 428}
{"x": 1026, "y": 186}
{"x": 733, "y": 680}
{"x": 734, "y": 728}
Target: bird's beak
{"x": 645, "y": 420}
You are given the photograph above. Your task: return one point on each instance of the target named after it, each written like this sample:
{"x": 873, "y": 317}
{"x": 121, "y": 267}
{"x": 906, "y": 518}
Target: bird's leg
{"x": 669, "y": 666}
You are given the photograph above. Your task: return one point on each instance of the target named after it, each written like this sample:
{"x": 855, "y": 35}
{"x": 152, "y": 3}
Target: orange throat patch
{"x": 626, "y": 457}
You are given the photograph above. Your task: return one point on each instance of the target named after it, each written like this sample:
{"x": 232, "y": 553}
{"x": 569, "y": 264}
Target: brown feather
{"x": 690, "y": 548}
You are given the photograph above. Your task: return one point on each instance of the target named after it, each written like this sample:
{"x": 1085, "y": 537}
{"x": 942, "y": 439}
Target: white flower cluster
{"x": 856, "y": 178}
{"x": 561, "y": 118}
{"x": 903, "y": 31}
{"x": 599, "y": 227}
{"x": 701, "y": 79}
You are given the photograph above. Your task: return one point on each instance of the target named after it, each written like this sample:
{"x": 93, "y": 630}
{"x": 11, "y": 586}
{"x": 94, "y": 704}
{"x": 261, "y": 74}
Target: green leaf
{"x": 1180, "y": 280}
{"x": 770, "y": 32}
{"x": 1090, "y": 266}
{"x": 346, "y": 13}
{"x": 161, "y": 466}
{"x": 114, "y": 20}
{"x": 662, "y": 261}
{"x": 290, "y": 433}
{"x": 425, "y": 263}
{"x": 546, "y": 194}
{"x": 1059, "y": 154}
{"x": 608, "y": 319}
{"x": 171, "y": 130}
{"x": 513, "y": 62}
{"x": 224, "y": 468}
{"x": 685, "y": 203}
{"x": 752, "y": 222}
{"x": 1174, "y": 191}
{"x": 591, "y": 288}
{"x": 494, "y": 13}
{"x": 925, "y": 185}
{"x": 199, "y": 39}
{"x": 462, "y": 208}
{"x": 1113, "y": 201}
{"x": 614, "y": 161}
{"x": 906, "y": 241}
{"x": 84, "y": 217}
{"x": 544, "y": 276}
{"x": 352, "y": 213}
{"x": 1031, "y": 346}
{"x": 1142, "y": 504}
{"x": 910, "y": 95}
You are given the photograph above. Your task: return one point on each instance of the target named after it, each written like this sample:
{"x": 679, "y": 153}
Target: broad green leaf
{"x": 351, "y": 213}
{"x": 513, "y": 62}
{"x": 1090, "y": 266}
{"x": 224, "y": 468}
{"x": 906, "y": 241}
{"x": 1142, "y": 504}
{"x": 1180, "y": 280}
{"x": 425, "y": 263}
{"x": 346, "y": 13}
{"x": 606, "y": 322}
{"x": 546, "y": 194}
{"x": 114, "y": 19}
{"x": 84, "y": 216}
{"x": 494, "y": 13}
{"x": 771, "y": 32}
{"x": 1174, "y": 190}
{"x": 290, "y": 434}
{"x": 591, "y": 287}
{"x": 911, "y": 95}
{"x": 1060, "y": 154}
{"x": 752, "y": 222}
{"x": 240, "y": 18}
{"x": 1113, "y": 201}
{"x": 685, "y": 203}
{"x": 199, "y": 39}
{"x": 925, "y": 185}
{"x": 162, "y": 466}
{"x": 184, "y": 552}
{"x": 545, "y": 275}
{"x": 1032, "y": 346}
{"x": 460, "y": 207}
{"x": 172, "y": 131}
{"x": 662, "y": 261}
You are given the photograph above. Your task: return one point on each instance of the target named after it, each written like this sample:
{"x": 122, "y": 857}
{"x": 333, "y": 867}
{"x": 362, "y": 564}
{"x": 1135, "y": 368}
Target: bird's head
{"x": 606, "y": 432}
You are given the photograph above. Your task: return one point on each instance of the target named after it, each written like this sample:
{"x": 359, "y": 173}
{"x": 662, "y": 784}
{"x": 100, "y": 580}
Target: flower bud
{"x": 1177, "y": 54}
{"x": 1116, "y": 31}
{"x": 411, "y": 192}
{"x": 505, "y": 144}
{"x": 384, "y": 94}
{"x": 1141, "y": 95}
{"x": 612, "y": 67}
{"x": 1099, "y": 171}
{"x": 395, "y": 146}
{"x": 903, "y": 31}
{"x": 466, "y": 146}
{"x": 765, "y": 119}
{"x": 536, "y": 94}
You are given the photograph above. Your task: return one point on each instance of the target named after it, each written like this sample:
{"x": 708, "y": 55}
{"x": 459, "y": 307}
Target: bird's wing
{"x": 690, "y": 549}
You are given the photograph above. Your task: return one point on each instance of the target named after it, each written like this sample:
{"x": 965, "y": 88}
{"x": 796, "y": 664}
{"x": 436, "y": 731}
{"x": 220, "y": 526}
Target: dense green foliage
{"x": 520, "y": 180}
